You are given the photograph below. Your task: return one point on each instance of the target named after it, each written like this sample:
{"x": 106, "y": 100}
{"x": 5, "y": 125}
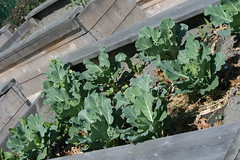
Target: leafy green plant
{"x": 195, "y": 68}
{"x": 8, "y": 156}
{"x": 33, "y": 138}
{"x": 137, "y": 115}
{"x": 164, "y": 42}
{"x": 109, "y": 77}
{"x": 63, "y": 90}
{"x": 228, "y": 12}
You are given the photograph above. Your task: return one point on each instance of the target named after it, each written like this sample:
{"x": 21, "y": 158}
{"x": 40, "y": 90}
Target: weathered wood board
{"x": 161, "y": 6}
{"x": 17, "y": 36}
{"x": 112, "y": 19}
{"x": 5, "y": 34}
{"x": 40, "y": 8}
{"x": 27, "y": 74}
{"x": 40, "y": 39}
{"x": 217, "y": 143}
{"x": 13, "y": 105}
{"x": 184, "y": 11}
{"x": 137, "y": 15}
{"x": 93, "y": 12}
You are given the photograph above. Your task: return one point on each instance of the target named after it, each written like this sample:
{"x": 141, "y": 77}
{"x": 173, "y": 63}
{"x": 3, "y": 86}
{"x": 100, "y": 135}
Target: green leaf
{"x": 211, "y": 86}
{"x": 42, "y": 155}
{"x": 150, "y": 32}
{"x": 131, "y": 93}
{"x": 219, "y": 60}
{"x": 218, "y": 15}
{"x": 36, "y": 123}
{"x": 144, "y": 102}
{"x": 120, "y": 101}
{"x": 103, "y": 58}
{"x": 92, "y": 68}
{"x": 231, "y": 6}
{"x": 235, "y": 24}
{"x": 15, "y": 144}
{"x": 101, "y": 105}
{"x": 143, "y": 43}
{"x": 224, "y": 33}
{"x": 99, "y": 131}
{"x": 172, "y": 70}
{"x": 192, "y": 47}
{"x": 131, "y": 113}
{"x": 142, "y": 82}
{"x": 120, "y": 57}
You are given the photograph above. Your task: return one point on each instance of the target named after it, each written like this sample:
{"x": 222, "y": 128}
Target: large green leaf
{"x": 172, "y": 70}
{"x": 143, "y": 43}
{"x": 219, "y": 60}
{"x": 101, "y": 105}
{"x": 231, "y": 6}
{"x": 36, "y": 123}
{"x": 120, "y": 100}
{"x": 15, "y": 144}
{"x": 99, "y": 131}
{"x": 143, "y": 82}
{"x": 131, "y": 93}
{"x": 144, "y": 103}
{"x": 218, "y": 15}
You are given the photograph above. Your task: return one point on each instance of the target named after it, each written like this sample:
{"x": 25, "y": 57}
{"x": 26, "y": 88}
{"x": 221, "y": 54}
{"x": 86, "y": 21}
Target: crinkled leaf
{"x": 131, "y": 93}
{"x": 120, "y": 57}
{"x": 103, "y": 58}
{"x": 143, "y": 43}
{"x": 231, "y": 6}
{"x": 217, "y": 15}
{"x": 120, "y": 100}
{"x": 143, "y": 82}
{"x": 36, "y": 123}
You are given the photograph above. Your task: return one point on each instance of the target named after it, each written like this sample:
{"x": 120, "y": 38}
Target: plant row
{"x": 113, "y": 102}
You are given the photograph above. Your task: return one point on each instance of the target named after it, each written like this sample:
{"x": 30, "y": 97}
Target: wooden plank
{"x": 208, "y": 144}
{"x": 18, "y": 35}
{"x": 162, "y": 6}
{"x": 150, "y": 3}
{"x": 37, "y": 65}
{"x": 33, "y": 85}
{"x": 40, "y": 8}
{"x": 136, "y": 16}
{"x": 10, "y": 103}
{"x": 4, "y": 87}
{"x": 39, "y": 39}
{"x": 112, "y": 19}
{"x": 23, "y": 112}
{"x": 93, "y": 12}
{"x": 178, "y": 13}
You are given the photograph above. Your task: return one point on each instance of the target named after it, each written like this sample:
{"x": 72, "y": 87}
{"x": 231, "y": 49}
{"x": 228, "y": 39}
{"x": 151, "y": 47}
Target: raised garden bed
{"x": 115, "y": 102}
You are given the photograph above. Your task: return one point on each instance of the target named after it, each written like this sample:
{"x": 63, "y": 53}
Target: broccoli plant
{"x": 164, "y": 41}
{"x": 195, "y": 68}
{"x": 135, "y": 115}
{"x": 33, "y": 138}
{"x": 63, "y": 90}
{"x": 228, "y": 12}
{"x": 109, "y": 76}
